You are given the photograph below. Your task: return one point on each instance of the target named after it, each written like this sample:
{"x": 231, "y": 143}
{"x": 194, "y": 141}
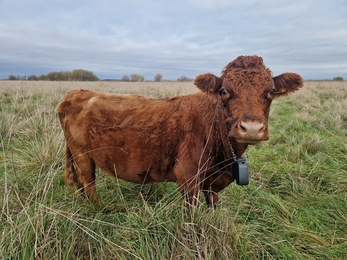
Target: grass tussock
{"x": 294, "y": 208}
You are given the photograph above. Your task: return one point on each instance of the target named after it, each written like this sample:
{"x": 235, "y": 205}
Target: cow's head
{"x": 246, "y": 89}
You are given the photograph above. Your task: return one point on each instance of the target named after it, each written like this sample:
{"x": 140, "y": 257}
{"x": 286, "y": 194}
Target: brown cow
{"x": 182, "y": 139}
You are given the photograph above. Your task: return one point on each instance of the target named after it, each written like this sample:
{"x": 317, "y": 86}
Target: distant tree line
{"x": 158, "y": 77}
{"x": 184, "y": 78}
{"x": 75, "y": 75}
{"x": 133, "y": 77}
{"x": 137, "y": 77}
{"x": 85, "y": 75}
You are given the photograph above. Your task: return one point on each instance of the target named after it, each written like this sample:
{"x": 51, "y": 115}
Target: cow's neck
{"x": 239, "y": 148}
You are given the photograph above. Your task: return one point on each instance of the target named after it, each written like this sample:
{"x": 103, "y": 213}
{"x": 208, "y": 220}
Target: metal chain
{"x": 231, "y": 149}
{"x": 233, "y": 153}
{"x": 247, "y": 149}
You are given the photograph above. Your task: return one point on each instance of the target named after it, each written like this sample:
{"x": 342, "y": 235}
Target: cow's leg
{"x": 80, "y": 172}
{"x": 190, "y": 187}
{"x": 211, "y": 198}
{"x": 190, "y": 192}
{"x": 70, "y": 176}
{"x": 189, "y": 178}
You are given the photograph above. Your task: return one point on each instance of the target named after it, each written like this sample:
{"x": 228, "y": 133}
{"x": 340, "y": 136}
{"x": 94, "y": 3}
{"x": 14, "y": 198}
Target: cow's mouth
{"x": 248, "y": 141}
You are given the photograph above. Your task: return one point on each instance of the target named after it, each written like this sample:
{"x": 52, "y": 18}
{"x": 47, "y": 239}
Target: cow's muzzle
{"x": 249, "y": 131}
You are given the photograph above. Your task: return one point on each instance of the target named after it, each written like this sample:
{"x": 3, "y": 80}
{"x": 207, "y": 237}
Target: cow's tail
{"x": 70, "y": 176}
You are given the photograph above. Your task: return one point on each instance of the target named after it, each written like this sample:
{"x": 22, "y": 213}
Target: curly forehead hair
{"x": 246, "y": 65}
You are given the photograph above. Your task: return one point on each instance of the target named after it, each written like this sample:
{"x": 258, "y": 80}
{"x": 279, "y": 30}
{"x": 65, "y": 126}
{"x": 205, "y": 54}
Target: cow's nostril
{"x": 243, "y": 127}
{"x": 262, "y": 128}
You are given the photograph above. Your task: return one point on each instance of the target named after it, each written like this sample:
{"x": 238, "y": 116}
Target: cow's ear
{"x": 208, "y": 83}
{"x": 287, "y": 83}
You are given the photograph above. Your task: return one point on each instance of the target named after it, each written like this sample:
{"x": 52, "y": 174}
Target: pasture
{"x": 295, "y": 206}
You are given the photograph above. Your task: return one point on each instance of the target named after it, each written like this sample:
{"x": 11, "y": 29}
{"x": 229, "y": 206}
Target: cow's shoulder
{"x": 78, "y": 95}
{"x": 74, "y": 99}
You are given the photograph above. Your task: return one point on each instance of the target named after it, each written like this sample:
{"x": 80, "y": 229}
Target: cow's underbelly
{"x": 140, "y": 171}
{"x": 136, "y": 165}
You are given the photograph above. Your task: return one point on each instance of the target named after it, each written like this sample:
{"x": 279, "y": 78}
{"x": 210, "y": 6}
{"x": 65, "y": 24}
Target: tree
{"x": 58, "y": 76}
{"x": 338, "y": 79}
{"x": 32, "y": 77}
{"x": 125, "y": 78}
{"x": 42, "y": 77}
{"x": 184, "y": 78}
{"x": 158, "y": 77}
{"x": 18, "y": 77}
{"x": 66, "y": 75}
{"x": 83, "y": 75}
{"x": 137, "y": 77}
{"x": 12, "y": 77}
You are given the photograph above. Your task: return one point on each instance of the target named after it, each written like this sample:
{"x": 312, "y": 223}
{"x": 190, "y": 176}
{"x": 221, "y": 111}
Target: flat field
{"x": 294, "y": 208}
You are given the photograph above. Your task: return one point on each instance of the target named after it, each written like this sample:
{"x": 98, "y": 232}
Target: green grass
{"x": 294, "y": 208}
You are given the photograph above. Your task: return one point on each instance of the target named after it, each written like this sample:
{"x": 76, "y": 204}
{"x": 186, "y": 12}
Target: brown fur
{"x": 181, "y": 139}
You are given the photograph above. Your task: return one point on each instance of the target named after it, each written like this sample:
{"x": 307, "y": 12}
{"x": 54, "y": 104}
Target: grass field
{"x": 294, "y": 208}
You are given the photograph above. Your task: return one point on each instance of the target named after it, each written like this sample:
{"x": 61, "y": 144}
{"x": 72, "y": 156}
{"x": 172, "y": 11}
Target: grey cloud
{"x": 174, "y": 38}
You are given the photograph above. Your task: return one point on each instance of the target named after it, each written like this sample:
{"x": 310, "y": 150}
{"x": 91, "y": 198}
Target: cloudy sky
{"x": 172, "y": 37}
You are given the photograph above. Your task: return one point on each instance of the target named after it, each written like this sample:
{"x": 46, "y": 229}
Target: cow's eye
{"x": 222, "y": 92}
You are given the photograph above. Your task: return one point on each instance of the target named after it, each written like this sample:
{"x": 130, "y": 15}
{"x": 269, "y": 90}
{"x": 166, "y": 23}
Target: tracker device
{"x": 240, "y": 171}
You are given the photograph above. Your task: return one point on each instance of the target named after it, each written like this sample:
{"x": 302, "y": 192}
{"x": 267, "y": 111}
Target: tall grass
{"x": 294, "y": 208}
